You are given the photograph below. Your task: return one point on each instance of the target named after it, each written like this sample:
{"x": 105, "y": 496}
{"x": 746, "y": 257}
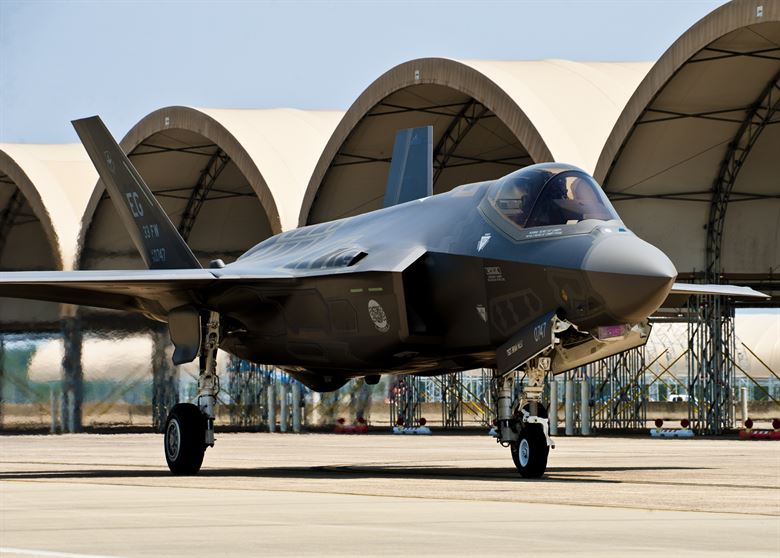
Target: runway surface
{"x": 331, "y": 495}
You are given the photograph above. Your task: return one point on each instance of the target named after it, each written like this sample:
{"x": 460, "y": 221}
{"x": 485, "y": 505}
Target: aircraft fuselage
{"x": 432, "y": 286}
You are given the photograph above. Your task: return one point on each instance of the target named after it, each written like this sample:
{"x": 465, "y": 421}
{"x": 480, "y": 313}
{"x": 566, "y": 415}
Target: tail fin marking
{"x": 158, "y": 241}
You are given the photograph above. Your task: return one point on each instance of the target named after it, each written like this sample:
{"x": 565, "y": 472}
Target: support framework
{"x": 405, "y": 401}
{"x": 165, "y": 379}
{"x": 247, "y": 388}
{"x": 72, "y": 375}
{"x": 618, "y": 390}
{"x": 710, "y": 364}
{"x": 208, "y": 176}
{"x": 489, "y": 396}
{"x": 9, "y": 215}
{"x": 2, "y": 378}
{"x": 360, "y": 396}
{"x": 757, "y": 117}
{"x": 466, "y": 118}
{"x": 452, "y": 400}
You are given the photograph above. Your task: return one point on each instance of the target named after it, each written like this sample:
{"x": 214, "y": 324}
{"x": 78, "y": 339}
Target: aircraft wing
{"x": 682, "y": 291}
{"x": 148, "y": 291}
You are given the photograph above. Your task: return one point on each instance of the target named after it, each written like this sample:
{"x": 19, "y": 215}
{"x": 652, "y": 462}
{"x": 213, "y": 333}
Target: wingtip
{"x": 736, "y": 291}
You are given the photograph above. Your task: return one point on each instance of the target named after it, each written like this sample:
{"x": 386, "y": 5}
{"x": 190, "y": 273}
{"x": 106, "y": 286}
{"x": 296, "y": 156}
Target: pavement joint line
{"x": 4, "y": 550}
{"x": 407, "y": 528}
{"x": 75, "y": 464}
{"x": 404, "y": 497}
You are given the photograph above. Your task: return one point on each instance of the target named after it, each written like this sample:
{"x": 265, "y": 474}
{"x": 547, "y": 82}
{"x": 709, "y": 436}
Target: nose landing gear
{"x": 524, "y": 426}
{"x": 531, "y": 449}
{"x": 189, "y": 429}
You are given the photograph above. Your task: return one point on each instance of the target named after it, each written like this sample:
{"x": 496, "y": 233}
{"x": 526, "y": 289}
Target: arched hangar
{"x": 489, "y": 118}
{"x": 692, "y": 163}
{"x": 43, "y": 190}
{"x": 227, "y": 179}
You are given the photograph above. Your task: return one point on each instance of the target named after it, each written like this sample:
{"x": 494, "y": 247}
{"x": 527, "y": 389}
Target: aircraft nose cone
{"x": 631, "y": 276}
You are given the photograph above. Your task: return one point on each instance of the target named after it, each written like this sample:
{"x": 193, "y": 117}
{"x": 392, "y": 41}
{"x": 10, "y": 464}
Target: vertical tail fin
{"x": 411, "y": 169}
{"x": 154, "y": 235}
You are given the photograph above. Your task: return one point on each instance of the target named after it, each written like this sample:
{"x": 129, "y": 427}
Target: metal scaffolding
{"x": 452, "y": 400}
{"x": 489, "y": 396}
{"x": 756, "y": 118}
{"x": 711, "y": 353}
{"x": 462, "y": 123}
{"x": 360, "y": 399}
{"x": 2, "y": 377}
{"x": 72, "y": 375}
{"x": 165, "y": 379}
{"x": 405, "y": 401}
{"x": 247, "y": 388}
{"x": 327, "y": 408}
{"x": 200, "y": 192}
{"x": 11, "y": 214}
{"x": 618, "y": 390}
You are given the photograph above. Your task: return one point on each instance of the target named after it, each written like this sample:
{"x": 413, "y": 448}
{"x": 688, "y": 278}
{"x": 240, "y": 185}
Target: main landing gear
{"x": 524, "y": 426}
{"x": 189, "y": 429}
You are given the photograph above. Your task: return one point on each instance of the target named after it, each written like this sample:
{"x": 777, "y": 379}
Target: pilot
{"x": 586, "y": 197}
{"x": 548, "y": 209}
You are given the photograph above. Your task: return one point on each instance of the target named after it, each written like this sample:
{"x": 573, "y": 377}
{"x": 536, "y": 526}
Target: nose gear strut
{"x": 523, "y": 425}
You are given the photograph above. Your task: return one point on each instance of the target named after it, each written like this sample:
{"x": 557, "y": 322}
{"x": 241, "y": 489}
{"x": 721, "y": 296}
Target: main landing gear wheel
{"x": 530, "y": 451}
{"x": 185, "y": 439}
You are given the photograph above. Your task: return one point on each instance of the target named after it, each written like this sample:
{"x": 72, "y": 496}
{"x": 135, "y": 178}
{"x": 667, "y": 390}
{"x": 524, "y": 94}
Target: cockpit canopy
{"x": 545, "y": 195}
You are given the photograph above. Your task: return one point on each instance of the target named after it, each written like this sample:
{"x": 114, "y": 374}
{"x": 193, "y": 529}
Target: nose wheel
{"x": 184, "y": 440}
{"x": 522, "y": 421}
{"x": 530, "y": 452}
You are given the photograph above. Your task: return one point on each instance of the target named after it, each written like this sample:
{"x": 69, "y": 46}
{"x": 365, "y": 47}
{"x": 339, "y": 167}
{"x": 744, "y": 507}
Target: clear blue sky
{"x": 64, "y": 60}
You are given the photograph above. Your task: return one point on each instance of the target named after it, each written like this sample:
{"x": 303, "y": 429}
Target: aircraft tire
{"x": 530, "y": 452}
{"x": 534, "y": 466}
{"x": 184, "y": 439}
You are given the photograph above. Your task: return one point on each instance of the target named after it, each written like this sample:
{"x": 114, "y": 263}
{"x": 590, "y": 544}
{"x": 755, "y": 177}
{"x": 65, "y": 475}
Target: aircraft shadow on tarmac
{"x": 553, "y": 474}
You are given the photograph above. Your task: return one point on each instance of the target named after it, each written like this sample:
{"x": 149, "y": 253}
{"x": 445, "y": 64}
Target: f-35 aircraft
{"x": 534, "y": 271}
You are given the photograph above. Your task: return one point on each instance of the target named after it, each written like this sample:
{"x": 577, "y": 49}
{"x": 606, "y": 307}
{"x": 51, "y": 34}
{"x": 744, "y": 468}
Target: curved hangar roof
{"x": 696, "y": 150}
{"x": 43, "y": 191}
{"x": 227, "y": 178}
{"x": 489, "y": 119}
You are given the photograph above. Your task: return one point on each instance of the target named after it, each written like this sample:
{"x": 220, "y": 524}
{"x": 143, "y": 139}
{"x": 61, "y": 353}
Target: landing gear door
{"x": 527, "y": 343}
{"x": 184, "y": 325}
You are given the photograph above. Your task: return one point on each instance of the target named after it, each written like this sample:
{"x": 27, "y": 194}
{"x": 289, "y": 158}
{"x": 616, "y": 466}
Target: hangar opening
{"x": 204, "y": 192}
{"x": 475, "y": 136}
{"x": 489, "y": 118}
{"x": 691, "y": 166}
{"x": 694, "y": 154}
{"x": 28, "y": 237}
{"x": 470, "y": 144}
{"x": 214, "y": 195}
{"x": 20, "y": 227}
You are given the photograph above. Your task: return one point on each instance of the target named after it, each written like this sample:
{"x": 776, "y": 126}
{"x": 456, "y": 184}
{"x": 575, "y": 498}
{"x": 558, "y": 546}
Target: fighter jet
{"x": 534, "y": 272}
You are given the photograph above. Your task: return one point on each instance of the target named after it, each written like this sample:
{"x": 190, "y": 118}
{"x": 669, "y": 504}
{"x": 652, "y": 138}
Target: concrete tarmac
{"x": 332, "y": 495}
